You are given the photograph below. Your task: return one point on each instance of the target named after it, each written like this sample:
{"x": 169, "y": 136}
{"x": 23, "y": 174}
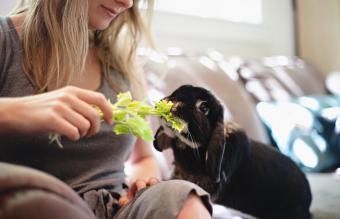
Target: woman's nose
{"x": 125, "y": 3}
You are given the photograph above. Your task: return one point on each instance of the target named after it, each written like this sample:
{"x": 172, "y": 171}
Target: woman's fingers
{"x": 152, "y": 181}
{"x": 123, "y": 201}
{"x": 63, "y": 127}
{"x": 135, "y": 187}
{"x": 88, "y": 112}
{"x": 99, "y": 100}
{"x": 83, "y": 124}
{"x": 82, "y": 102}
{"x": 140, "y": 184}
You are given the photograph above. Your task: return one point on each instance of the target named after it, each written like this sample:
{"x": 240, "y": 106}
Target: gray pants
{"x": 163, "y": 200}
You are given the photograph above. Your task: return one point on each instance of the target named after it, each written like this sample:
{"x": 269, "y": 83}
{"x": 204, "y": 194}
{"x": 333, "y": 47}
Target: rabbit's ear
{"x": 162, "y": 141}
{"x": 215, "y": 152}
{"x": 238, "y": 148}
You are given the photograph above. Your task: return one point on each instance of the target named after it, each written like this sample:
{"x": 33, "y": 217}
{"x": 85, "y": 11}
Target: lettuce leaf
{"x": 129, "y": 116}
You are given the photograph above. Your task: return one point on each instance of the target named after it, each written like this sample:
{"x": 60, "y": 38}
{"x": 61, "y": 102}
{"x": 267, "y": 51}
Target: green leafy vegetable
{"x": 129, "y": 116}
{"x": 163, "y": 109}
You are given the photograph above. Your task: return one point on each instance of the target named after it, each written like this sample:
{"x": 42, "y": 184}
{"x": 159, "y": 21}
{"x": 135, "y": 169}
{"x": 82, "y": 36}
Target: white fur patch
{"x": 191, "y": 144}
{"x": 168, "y": 131}
{"x": 171, "y": 133}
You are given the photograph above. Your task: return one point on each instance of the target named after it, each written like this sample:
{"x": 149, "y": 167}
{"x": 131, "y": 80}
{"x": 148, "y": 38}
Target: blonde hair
{"x": 56, "y": 39}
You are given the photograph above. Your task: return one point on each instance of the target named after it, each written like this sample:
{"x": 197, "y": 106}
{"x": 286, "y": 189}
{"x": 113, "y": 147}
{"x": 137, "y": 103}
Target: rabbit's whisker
{"x": 196, "y": 153}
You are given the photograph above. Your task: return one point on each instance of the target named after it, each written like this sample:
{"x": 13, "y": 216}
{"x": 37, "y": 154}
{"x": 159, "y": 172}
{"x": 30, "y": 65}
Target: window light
{"x": 244, "y": 11}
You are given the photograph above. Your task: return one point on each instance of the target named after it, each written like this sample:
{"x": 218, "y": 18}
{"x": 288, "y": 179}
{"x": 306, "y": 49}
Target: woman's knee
{"x": 193, "y": 208}
{"x": 179, "y": 193}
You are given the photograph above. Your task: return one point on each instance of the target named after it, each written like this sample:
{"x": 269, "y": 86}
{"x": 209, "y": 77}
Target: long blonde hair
{"x": 56, "y": 39}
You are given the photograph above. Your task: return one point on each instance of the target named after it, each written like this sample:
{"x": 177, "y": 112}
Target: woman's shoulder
{"x": 10, "y": 44}
{"x": 3, "y": 28}
{"x": 4, "y": 36}
{"x": 3, "y": 22}
{"x": 10, "y": 27}
{"x": 12, "y": 24}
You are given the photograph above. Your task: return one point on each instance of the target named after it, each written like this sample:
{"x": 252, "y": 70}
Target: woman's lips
{"x": 109, "y": 11}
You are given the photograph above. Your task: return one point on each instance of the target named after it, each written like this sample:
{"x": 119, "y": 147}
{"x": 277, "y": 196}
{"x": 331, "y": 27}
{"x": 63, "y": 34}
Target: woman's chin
{"x": 99, "y": 25}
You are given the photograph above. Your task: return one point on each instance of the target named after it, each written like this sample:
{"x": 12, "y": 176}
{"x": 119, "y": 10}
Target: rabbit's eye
{"x": 203, "y": 107}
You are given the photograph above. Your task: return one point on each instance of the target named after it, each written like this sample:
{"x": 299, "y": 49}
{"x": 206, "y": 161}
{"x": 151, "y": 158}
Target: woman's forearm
{"x": 6, "y": 109}
{"x": 143, "y": 168}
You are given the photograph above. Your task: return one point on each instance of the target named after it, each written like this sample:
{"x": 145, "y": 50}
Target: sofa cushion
{"x": 306, "y": 129}
{"x": 326, "y": 195}
{"x": 217, "y": 76}
{"x": 280, "y": 78}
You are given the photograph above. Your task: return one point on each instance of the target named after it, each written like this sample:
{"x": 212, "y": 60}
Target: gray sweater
{"x": 90, "y": 163}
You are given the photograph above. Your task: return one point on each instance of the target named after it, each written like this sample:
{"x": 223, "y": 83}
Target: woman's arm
{"x": 143, "y": 171}
{"x": 142, "y": 163}
{"x": 68, "y": 111}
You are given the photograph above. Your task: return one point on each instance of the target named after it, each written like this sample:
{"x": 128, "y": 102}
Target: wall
{"x": 6, "y": 6}
{"x": 319, "y": 33}
{"x": 274, "y": 37}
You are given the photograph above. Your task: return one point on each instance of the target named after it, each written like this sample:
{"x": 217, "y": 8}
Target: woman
{"x": 58, "y": 59}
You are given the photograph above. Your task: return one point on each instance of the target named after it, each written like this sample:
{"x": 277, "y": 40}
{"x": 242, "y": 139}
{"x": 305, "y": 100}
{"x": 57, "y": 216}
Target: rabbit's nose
{"x": 176, "y": 106}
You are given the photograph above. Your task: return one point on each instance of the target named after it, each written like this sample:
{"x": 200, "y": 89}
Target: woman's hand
{"x": 135, "y": 187}
{"x": 67, "y": 111}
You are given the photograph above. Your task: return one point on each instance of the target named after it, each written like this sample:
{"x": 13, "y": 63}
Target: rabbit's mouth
{"x": 184, "y": 136}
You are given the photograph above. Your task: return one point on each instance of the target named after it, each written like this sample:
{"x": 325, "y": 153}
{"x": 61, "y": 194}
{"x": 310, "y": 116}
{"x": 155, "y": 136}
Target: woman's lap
{"x": 163, "y": 200}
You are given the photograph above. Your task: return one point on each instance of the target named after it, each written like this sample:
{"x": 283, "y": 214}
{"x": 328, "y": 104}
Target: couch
{"x": 241, "y": 84}
{"x": 30, "y": 194}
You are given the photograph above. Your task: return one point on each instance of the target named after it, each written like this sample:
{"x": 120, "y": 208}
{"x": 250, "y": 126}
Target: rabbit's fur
{"x": 237, "y": 171}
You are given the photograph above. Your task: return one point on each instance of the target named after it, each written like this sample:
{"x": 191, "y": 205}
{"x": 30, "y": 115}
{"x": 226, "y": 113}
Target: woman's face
{"x": 102, "y": 12}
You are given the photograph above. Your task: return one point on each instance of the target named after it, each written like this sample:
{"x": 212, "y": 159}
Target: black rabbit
{"x": 236, "y": 171}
